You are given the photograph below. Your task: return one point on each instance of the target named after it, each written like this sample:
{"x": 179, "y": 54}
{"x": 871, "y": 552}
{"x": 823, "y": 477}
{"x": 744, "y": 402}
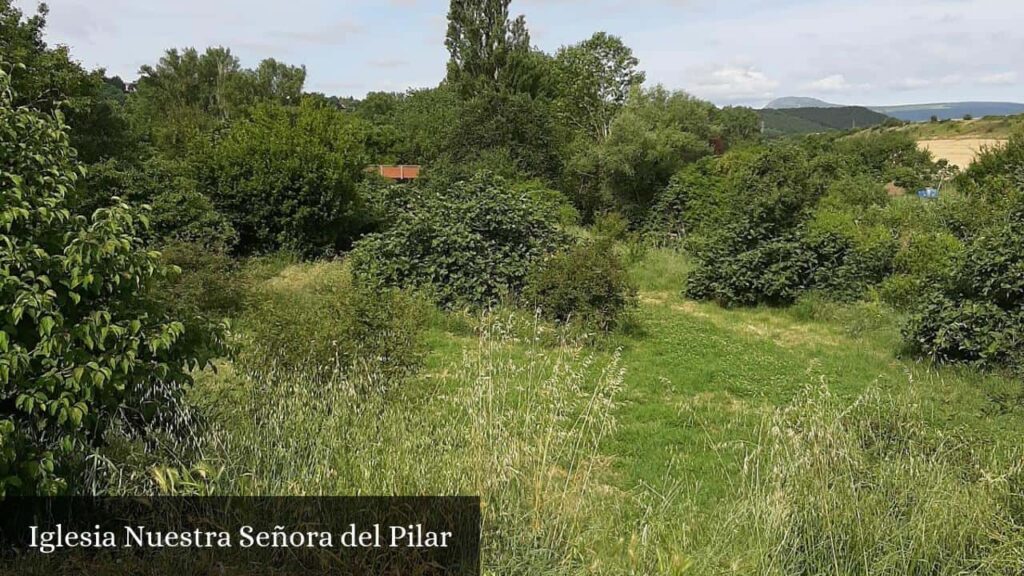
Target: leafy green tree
{"x": 484, "y": 45}
{"x": 47, "y": 78}
{"x": 653, "y": 137}
{"x": 189, "y": 93}
{"x": 595, "y": 77}
{"x": 286, "y": 178}
{"x": 82, "y": 343}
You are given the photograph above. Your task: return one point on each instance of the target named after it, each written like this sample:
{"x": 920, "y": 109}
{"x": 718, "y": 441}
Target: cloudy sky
{"x": 873, "y": 52}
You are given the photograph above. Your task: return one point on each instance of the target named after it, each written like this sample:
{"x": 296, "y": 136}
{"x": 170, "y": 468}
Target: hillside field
{"x": 959, "y": 152}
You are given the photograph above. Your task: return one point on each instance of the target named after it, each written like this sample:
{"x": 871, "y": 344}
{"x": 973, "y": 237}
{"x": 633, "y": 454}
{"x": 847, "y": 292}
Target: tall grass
{"x": 514, "y": 420}
{"x": 873, "y": 488}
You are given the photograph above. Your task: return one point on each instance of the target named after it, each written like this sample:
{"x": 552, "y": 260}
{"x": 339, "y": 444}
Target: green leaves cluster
{"x": 286, "y": 178}
{"x": 472, "y": 243}
{"x": 80, "y": 342}
{"x": 586, "y": 284}
{"x": 769, "y": 225}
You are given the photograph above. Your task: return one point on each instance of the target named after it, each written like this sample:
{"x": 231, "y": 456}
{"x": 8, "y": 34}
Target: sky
{"x": 732, "y": 52}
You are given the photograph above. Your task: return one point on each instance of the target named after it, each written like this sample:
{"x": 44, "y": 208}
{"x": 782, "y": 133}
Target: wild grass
{"x": 873, "y": 488}
{"x": 513, "y": 420}
{"x": 690, "y": 447}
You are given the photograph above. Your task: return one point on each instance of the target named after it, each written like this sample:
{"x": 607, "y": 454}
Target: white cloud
{"x": 833, "y": 83}
{"x": 733, "y": 83}
{"x": 1004, "y": 79}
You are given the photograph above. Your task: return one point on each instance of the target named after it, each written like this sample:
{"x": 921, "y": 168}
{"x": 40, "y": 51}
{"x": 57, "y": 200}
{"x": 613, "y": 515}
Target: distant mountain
{"x": 950, "y": 110}
{"x": 792, "y": 121}
{"x": 791, "y": 102}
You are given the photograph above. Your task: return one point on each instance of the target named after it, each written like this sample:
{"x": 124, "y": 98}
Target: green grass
{"x": 999, "y": 128}
{"x": 690, "y": 446}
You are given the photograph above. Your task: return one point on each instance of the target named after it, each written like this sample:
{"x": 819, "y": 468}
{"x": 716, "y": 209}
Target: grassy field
{"x": 997, "y": 128}
{"x": 960, "y": 141}
{"x": 699, "y": 441}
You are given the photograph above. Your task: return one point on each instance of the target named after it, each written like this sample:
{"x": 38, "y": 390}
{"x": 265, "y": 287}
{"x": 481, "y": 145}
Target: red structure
{"x": 398, "y": 173}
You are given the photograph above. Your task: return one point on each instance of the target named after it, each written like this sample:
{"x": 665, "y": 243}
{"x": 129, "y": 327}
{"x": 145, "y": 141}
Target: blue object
{"x": 930, "y": 193}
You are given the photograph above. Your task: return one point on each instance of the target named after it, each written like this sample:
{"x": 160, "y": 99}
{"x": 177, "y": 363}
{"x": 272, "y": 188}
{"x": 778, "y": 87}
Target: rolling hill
{"x": 790, "y": 102}
{"x": 792, "y": 121}
{"x": 911, "y": 112}
{"x": 950, "y": 110}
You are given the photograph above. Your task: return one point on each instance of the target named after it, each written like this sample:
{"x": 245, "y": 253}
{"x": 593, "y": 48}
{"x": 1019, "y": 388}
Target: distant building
{"x": 398, "y": 173}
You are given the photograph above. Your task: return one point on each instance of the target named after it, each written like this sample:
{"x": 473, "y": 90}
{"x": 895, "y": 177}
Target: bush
{"x": 180, "y": 213}
{"x": 586, "y": 283}
{"x": 286, "y": 178}
{"x": 977, "y": 316}
{"x": 473, "y": 243}
{"x": 82, "y": 342}
{"x": 611, "y": 226}
{"x": 749, "y": 250}
{"x": 314, "y": 320}
{"x": 848, "y": 255}
{"x": 209, "y": 283}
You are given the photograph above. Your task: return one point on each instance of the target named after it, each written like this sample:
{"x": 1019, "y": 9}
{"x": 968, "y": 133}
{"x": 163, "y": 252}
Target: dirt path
{"x": 958, "y": 151}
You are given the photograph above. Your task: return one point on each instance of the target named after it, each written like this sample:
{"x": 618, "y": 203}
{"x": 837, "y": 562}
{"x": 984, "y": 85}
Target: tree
{"x": 47, "y": 78}
{"x": 653, "y": 137}
{"x": 82, "y": 341}
{"x": 188, "y": 93}
{"x": 484, "y": 45}
{"x": 286, "y": 177}
{"x": 595, "y": 78}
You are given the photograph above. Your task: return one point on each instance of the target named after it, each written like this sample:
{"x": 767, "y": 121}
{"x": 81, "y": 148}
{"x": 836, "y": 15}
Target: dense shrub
{"x": 848, "y": 255}
{"x": 586, "y": 283}
{"x": 996, "y": 170}
{"x": 689, "y": 199}
{"x": 209, "y": 282}
{"x": 82, "y": 343}
{"x": 179, "y": 212}
{"x": 286, "y": 178}
{"x": 889, "y": 157}
{"x": 472, "y": 243}
{"x": 314, "y": 319}
{"x": 978, "y": 315}
{"x": 771, "y": 224}
{"x": 750, "y": 248}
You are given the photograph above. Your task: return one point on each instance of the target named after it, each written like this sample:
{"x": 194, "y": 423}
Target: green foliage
{"x": 655, "y": 135}
{"x": 889, "y": 157}
{"x": 767, "y": 224}
{"x": 316, "y": 321}
{"x": 977, "y": 316}
{"x": 82, "y": 342}
{"x": 595, "y": 77}
{"x": 794, "y": 121}
{"x": 750, "y": 248}
{"x": 188, "y": 93}
{"x": 849, "y": 255}
{"x": 485, "y": 46}
{"x": 286, "y": 178}
{"x": 47, "y": 79}
{"x": 209, "y": 283}
{"x": 471, "y": 243}
{"x": 180, "y": 213}
{"x": 587, "y": 284}
{"x": 611, "y": 226}
{"x": 997, "y": 171}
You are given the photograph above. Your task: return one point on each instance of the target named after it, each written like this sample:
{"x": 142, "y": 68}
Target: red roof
{"x": 397, "y": 172}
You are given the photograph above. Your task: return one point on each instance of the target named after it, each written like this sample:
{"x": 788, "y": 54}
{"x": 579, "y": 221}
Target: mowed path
{"x": 959, "y": 151}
